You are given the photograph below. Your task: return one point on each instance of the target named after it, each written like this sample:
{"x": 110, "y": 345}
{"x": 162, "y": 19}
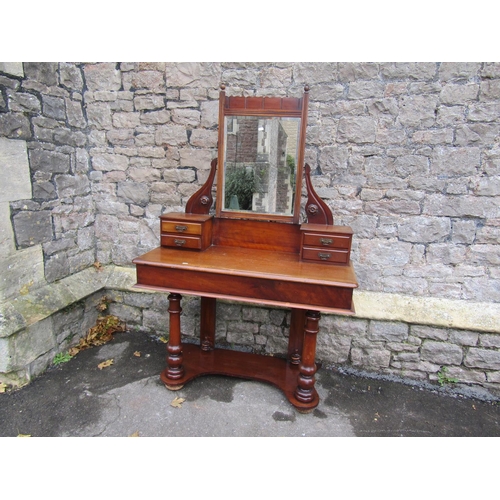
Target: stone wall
{"x": 407, "y": 154}
{"x": 44, "y": 108}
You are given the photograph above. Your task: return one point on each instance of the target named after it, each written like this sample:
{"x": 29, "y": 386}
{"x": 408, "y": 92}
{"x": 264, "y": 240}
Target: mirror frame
{"x": 287, "y": 107}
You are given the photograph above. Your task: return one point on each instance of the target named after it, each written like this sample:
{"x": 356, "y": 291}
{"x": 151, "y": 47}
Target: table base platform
{"x": 245, "y": 365}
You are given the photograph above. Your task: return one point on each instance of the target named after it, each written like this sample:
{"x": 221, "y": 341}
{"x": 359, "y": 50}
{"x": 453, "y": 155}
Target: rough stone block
{"x": 155, "y": 117}
{"x": 459, "y": 94}
{"x": 360, "y": 130}
{"x": 126, "y": 120}
{"x": 32, "y": 228}
{"x": 42, "y": 72}
{"x": 14, "y": 126}
{"x": 370, "y": 357}
{"x": 70, "y": 76}
{"x": 463, "y": 231}
{"x": 483, "y": 358}
{"x": 133, "y": 192}
{"x": 384, "y": 253}
{"x": 241, "y": 332}
{"x": 74, "y": 113}
{"x": 102, "y": 76}
{"x": 24, "y": 102}
{"x": 441, "y": 353}
{"x": 72, "y": 185}
{"x": 109, "y": 162}
{"x": 489, "y": 340}
{"x": 42, "y": 160}
{"x": 54, "y": 107}
{"x": 171, "y": 135}
{"x": 425, "y": 229}
{"x": 186, "y": 117}
{"x": 418, "y": 111}
{"x": 387, "y": 331}
{"x": 366, "y": 89}
{"x": 276, "y": 345}
{"x": 150, "y": 80}
{"x": 484, "y": 112}
{"x": 334, "y": 348}
{"x": 209, "y": 114}
{"x": 99, "y": 116}
{"x": 455, "y": 161}
{"x": 255, "y": 314}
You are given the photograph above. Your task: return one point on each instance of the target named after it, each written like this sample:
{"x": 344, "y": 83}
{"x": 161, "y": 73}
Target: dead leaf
{"x": 3, "y": 387}
{"x": 177, "y": 402}
{"x": 24, "y": 435}
{"x": 100, "y": 334}
{"x": 105, "y": 364}
{"x": 135, "y": 434}
{"x": 137, "y": 354}
{"x": 98, "y": 265}
{"x": 164, "y": 340}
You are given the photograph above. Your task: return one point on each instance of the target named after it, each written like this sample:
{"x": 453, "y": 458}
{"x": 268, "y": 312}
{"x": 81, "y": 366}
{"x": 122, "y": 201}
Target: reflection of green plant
{"x": 290, "y": 161}
{"x": 240, "y": 183}
{"x": 443, "y": 378}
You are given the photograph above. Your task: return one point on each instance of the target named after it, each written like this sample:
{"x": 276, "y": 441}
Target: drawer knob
{"x": 324, "y": 256}
{"x": 181, "y": 228}
{"x": 326, "y": 241}
{"x": 180, "y": 243}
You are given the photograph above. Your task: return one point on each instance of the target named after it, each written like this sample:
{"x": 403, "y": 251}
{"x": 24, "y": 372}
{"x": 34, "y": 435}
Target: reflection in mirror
{"x": 260, "y": 163}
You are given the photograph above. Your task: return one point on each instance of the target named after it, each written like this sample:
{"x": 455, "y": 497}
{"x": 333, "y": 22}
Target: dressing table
{"x": 253, "y": 249}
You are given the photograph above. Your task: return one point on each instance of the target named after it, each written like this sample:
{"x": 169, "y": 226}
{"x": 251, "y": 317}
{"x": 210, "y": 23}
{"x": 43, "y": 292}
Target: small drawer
{"x": 178, "y": 241}
{"x": 326, "y": 240}
{"x": 180, "y": 228}
{"x": 325, "y": 255}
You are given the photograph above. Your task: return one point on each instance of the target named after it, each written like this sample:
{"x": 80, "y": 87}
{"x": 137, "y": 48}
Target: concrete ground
{"x": 127, "y": 399}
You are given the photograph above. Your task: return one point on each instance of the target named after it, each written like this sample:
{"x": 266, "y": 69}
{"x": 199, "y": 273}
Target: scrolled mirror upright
{"x": 261, "y": 156}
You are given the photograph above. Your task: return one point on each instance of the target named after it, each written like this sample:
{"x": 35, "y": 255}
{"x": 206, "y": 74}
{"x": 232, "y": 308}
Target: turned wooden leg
{"x": 296, "y": 336}
{"x": 207, "y": 323}
{"x": 174, "y": 370}
{"x": 305, "y": 381}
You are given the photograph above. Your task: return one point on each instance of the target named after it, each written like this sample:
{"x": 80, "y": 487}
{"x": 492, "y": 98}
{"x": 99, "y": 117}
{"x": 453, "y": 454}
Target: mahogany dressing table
{"x": 253, "y": 249}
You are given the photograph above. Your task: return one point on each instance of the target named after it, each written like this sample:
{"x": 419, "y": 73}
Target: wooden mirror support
{"x": 258, "y": 258}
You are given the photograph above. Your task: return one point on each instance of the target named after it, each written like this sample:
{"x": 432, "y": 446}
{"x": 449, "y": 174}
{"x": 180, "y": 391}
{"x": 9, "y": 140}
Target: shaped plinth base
{"x": 276, "y": 371}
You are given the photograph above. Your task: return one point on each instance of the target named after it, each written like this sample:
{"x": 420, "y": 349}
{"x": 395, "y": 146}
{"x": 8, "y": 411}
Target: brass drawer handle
{"x": 324, "y": 256}
{"x": 326, "y": 241}
{"x": 180, "y": 243}
{"x": 181, "y": 228}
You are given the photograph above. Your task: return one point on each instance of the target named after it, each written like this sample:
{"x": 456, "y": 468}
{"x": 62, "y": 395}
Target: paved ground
{"x": 128, "y": 399}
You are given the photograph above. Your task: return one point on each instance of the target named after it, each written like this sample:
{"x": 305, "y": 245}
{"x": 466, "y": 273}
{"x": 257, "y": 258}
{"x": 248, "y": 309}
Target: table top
{"x": 284, "y": 266}
{"x": 249, "y": 275}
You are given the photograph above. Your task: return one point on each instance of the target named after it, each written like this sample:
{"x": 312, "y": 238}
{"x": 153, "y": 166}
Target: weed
{"x": 62, "y": 357}
{"x": 443, "y": 377}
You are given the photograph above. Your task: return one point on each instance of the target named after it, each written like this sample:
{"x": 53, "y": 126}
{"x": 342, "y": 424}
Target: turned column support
{"x": 174, "y": 370}
{"x": 305, "y": 392}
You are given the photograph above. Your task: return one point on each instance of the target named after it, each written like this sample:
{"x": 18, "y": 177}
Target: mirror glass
{"x": 260, "y": 164}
